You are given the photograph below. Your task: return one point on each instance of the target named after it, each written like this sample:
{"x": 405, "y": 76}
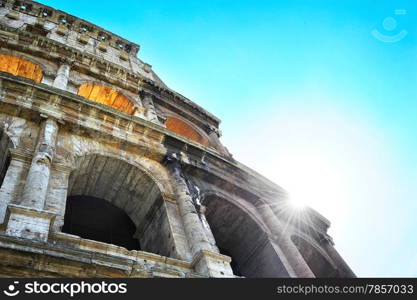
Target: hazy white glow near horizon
{"x": 318, "y": 155}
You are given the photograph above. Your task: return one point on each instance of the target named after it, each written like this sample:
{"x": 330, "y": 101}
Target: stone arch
{"x": 317, "y": 260}
{"x": 185, "y": 129}
{"x": 107, "y": 96}
{"x": 22, "y": 67}
{"x": 71, "y": 148}
{"x": 46, "y": 65}
{"x": 243, "y": 237}
{"x": 241, "y": 204}
{"x": 150, "y": 167}
{"x": 132, "y": 190}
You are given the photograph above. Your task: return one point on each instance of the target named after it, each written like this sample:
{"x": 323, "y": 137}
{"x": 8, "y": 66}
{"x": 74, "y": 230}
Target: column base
{"x": 28, "y": 223}
{"x": 212, "y": 264}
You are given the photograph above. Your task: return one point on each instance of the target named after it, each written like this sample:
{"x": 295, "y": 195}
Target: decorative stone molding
{"x": 14, "y": 15}
{"x": 21, "y": 155}
{"x": 62, "y": 30}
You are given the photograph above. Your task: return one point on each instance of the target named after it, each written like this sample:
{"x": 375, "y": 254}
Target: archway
{"x": 239, "y": 236}
{"x": 185, "y": 130}
{"x": 106, "y": 96}
{"x": 99, "y": 220}
{"x": 317, "y": 262}
{"x": 5, "y": 146}
{"x": 20, "y": 67}
{"x": 129, "y": 189}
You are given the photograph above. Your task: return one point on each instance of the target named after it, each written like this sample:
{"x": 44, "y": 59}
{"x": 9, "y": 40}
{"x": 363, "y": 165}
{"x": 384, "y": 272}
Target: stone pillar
{"x": 29, "y": 219}
{"x": 56, "y": 198}
{"x": 205, "y": 261}
{"x": 34, "y": 193}
{"x": 292, "y": 259}
{"x": 13, "y": 182}
{"x": 140, "y": 110}
{"x": 342, "y": 266}
{"x": 206, "y": 226}
{"x": 150, "y": 112}
{"x": 62, "y": 76}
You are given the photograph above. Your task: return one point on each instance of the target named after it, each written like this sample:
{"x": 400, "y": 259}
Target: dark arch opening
{"x": 97, "y": 219}
{"x": 233, "y": 264}
{"x": 318, "y": 264}
{"x": 237, "y": 235}
{"x": 5, "y": 157}
{"x": 129, "y": 189}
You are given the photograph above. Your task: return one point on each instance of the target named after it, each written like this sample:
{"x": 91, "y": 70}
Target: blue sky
{"x": 320, "y": 96}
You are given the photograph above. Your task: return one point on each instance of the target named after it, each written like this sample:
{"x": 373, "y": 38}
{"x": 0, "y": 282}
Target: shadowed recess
{"x": 131, "y": 190}
{"x": 20, "y": 67}
{"x": 240, "y": 237}
{"x": 97, "y": 219}
{"x": 106, "y": 96}
{"x": 5, "y": 145}
{"x": 185, "y": 130}
{"x": 318, "y": 264}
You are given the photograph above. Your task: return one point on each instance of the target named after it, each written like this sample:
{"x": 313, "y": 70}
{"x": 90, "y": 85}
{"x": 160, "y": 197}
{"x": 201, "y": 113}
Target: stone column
{"x": 62, "y": 76}
{"x": 205, "y": 261}
{"x": 342, "y": 266}
{"x": 140, "y": 110}
{"x": 34, "y": 193}
{"x": 150, "y": 112}
{"x": 29, "y": 219}
{"x": 13, "y": 182}
{"x": 56, "y": 198}
{"x": 206, "y": 226}
{"x": 293, "y": 259}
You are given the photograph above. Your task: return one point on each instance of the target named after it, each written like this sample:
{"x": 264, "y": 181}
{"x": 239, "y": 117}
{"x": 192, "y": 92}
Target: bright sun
{"x": 312, "y": 180}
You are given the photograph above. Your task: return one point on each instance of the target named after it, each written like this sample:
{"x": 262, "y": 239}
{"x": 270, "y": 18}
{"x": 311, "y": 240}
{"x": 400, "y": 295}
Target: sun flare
{"x": 314, "y": 181}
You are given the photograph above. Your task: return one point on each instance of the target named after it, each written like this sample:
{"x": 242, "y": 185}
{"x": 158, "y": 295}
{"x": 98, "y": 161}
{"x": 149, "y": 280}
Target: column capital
{"x": 210, "y": 129}
{"x": 173, "y": 161}
{"x": 146, "y": 94}
{"x": 49, "y": 117}
{"x": 22, "y": 155}
{"x": 70, "y": 62}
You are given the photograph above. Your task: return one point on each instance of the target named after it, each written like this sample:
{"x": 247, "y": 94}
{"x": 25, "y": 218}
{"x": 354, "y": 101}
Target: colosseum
{"x": 107, "y": 172}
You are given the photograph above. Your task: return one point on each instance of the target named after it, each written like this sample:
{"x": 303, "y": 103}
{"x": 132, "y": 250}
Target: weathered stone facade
{"x": 83, "y": 120}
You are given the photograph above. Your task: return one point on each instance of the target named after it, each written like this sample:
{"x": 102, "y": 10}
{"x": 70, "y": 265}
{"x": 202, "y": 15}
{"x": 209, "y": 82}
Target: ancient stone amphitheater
{"x": 107, "y": 172}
